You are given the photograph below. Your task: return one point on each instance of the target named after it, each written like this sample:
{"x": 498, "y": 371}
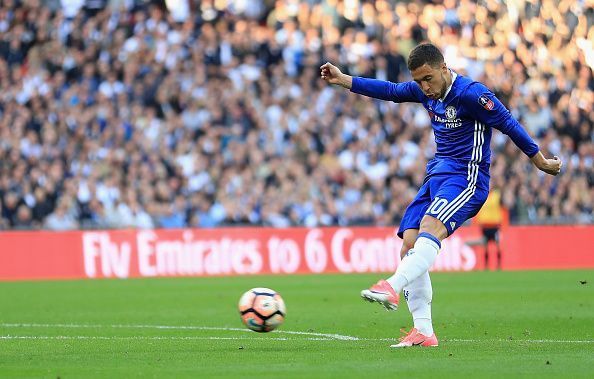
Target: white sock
{"x": 418, "y": 260}
{"x": 418, "y": 295}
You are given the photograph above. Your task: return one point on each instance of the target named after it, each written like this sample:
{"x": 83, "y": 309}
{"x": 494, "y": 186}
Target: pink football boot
{"x": 415, "y": 338}
{"x": 383, "y": 293}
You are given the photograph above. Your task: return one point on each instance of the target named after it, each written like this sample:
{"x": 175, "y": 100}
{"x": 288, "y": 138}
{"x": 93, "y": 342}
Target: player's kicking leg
{"x": 382, "y": 292}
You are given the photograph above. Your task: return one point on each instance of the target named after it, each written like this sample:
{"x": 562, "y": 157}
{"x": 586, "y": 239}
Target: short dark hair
{"x": 425, "y": 53}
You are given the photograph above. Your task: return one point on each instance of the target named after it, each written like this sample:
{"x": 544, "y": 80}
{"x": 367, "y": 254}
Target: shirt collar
{"x": 454, "y": 76}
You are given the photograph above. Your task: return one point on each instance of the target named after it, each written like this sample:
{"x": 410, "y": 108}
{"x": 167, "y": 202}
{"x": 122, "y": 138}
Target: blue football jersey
{"x": 462, "y": 121}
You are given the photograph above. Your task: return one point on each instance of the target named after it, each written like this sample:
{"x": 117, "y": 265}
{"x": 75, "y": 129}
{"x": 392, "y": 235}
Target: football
{"x": 262, "y": 309}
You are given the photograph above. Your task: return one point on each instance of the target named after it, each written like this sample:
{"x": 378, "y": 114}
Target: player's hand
{"x": 553, "y": 166}
{"x": 333, "y": 75}
{"x": 550, "y": 166}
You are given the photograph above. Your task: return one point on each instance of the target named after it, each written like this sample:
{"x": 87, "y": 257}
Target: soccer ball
{"x": 262, "y": 309}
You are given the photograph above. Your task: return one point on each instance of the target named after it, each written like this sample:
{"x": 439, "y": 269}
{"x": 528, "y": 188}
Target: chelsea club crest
{"x": 450, "y": 112}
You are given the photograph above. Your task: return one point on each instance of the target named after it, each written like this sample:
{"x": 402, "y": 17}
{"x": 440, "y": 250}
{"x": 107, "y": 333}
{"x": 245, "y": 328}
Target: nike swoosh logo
{"x": 418, "y": 343}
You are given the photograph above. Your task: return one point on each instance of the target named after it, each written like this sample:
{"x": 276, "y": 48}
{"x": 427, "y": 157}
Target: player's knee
{"x": 434, "y": 227}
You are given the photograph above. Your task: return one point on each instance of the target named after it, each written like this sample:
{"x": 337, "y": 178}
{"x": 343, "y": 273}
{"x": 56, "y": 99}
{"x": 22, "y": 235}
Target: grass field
{"x": 493, "y": 324}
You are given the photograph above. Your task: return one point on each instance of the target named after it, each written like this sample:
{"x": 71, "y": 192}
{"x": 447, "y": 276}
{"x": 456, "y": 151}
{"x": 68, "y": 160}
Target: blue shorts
{"x": 451, "y": 198}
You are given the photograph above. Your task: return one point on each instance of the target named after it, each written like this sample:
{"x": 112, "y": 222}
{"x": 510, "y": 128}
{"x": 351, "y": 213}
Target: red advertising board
{"x": 548, "y": 247}
{"x": 248, "y": 251}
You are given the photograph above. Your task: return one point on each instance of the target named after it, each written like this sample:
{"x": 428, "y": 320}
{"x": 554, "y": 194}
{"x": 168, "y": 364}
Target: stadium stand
{"x": 130, "y": 114}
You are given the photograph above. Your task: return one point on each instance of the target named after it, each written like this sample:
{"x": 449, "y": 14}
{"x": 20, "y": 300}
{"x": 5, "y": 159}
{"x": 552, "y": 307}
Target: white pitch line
{"x": 151, "y": 338}
{"x": 314, "y": 336}
{"x": 180, "y": 327}
{"x": 189, "y": 338}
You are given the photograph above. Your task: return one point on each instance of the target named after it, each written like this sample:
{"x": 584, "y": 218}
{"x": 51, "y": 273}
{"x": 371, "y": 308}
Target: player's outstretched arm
{"x": 378, "y": 89}
{"x": 333, "y": 75}
{"x": 550, "y": 166}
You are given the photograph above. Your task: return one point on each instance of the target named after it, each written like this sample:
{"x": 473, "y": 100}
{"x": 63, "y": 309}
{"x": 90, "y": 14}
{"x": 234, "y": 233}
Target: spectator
{"x": 24, "y": 219}
{"x": 4, "y": 223}
{"x": 43, "y": 205}
{"x": 61, "y": 218}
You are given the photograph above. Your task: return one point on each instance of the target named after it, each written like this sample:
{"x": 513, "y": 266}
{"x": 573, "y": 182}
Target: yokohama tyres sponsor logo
{"x": 269, "y": 251}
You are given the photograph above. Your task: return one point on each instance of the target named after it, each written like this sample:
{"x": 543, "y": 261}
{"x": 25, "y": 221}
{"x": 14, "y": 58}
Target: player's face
{"x": 432, "y": 80}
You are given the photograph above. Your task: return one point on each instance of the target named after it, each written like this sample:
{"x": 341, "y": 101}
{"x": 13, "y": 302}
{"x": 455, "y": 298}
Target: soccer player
{"x": 463, "y": 113}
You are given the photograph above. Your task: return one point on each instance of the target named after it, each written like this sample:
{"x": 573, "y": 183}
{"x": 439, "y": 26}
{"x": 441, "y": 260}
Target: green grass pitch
{"x": 490, "y": 324}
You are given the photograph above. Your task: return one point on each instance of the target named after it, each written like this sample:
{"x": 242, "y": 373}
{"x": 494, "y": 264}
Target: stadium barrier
{"x": 246, "y": 251}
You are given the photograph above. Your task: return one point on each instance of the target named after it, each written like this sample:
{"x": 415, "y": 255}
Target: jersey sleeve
{"x": 380, "y": 89}
{"x": 486, "y": 108}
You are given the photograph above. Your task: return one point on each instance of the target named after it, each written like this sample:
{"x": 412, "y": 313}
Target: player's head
{"x": 427, "y": 67}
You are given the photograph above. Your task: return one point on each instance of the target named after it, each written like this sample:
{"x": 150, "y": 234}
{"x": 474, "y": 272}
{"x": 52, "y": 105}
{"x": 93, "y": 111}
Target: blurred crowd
{"x": 139, "y": 114}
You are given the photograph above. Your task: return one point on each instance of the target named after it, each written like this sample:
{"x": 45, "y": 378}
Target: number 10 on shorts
{"x": 437, "y": 205}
